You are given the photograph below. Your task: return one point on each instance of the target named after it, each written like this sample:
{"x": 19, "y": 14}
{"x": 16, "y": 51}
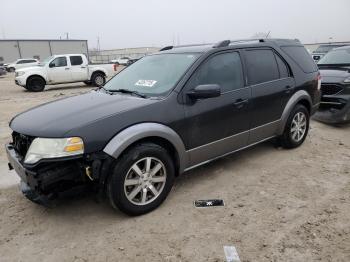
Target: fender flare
{"x": 132, "y": 134}
{"x": 295, "y": 99}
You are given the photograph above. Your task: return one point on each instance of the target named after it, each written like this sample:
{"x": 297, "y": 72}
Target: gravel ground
{"x": 281, "y": 205}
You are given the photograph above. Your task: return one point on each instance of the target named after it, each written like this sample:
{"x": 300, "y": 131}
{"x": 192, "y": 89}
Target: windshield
{"x": 153, "y": 75}
{"x": 340, "y": 56}
{"x": 45, "y": 61}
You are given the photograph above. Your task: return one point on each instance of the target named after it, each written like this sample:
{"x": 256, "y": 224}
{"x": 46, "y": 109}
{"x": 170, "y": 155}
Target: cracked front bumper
{"x": 334, "y": 109}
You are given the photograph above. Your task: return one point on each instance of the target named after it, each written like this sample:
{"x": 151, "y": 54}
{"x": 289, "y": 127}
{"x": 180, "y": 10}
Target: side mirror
{"x": 51, "y": 65}
{"x": 205, "y": 91}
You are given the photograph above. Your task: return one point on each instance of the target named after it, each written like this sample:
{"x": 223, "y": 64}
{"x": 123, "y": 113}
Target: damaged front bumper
{"x": 334, "y": 109}
{"x": 47, "y": 180}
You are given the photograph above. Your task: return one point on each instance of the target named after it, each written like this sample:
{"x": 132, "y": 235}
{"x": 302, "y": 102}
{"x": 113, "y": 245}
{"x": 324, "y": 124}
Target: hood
{"x": 55, "y": 119}
{"x": 334, "y": 75}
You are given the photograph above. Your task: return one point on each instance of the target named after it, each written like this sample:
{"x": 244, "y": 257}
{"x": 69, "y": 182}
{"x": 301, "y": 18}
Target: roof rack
{"x": 178, "y": 46}
{"x": 228, "y": 42}
{"x": 225, "y": 43}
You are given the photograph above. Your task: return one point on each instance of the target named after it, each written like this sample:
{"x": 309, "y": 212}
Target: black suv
{"x": 165, "y": 114}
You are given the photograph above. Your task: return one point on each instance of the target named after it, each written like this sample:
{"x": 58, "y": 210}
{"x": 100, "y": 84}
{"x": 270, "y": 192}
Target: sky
{"x": 139, "y": 23}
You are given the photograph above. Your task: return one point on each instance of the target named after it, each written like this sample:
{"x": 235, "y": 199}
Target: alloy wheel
{"x": 145, "y": 181}
{"x": 298, "y": 127}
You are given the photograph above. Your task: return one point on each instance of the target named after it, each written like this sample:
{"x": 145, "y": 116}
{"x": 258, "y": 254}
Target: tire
{"x": 35, "y": 84}
{"x": 12, "y": 69}
{"x": 297, "y": 127}
{"x": 98, "y": 79}
{"x": 143, "y": 194}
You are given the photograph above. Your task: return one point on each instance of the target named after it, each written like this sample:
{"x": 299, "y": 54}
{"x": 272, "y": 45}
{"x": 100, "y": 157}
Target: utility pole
{"x": 98, "y": 44}
{"x": 67, "y": 35}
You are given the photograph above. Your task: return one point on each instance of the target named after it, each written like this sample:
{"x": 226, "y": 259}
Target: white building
{"x": 13, "y": 49}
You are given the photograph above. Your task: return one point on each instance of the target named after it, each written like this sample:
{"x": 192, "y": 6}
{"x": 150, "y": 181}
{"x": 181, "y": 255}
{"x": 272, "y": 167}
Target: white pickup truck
{"x": 59, "y": 69}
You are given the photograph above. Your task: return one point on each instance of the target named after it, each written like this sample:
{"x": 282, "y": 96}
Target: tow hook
{"x": 88, "y": 172}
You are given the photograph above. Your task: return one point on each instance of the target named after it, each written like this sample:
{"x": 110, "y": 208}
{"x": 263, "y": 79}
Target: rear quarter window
{"x": 301, "y": 57}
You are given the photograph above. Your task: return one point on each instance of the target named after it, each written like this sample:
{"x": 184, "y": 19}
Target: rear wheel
{"x": 98, "y": 79}
{"x": 297, "y": 127}
{"x": 141, "y": 179}
{"x": 35, "y": 84}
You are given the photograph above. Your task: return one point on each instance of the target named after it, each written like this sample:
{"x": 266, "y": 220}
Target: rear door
{"x": 271, "y": 85}
{"x": 79, "y": 69}
{"x": 59, "y": 71}
{"x": 219, "y": 125}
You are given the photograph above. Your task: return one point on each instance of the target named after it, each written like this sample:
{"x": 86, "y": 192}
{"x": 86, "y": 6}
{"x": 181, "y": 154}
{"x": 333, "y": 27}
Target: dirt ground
{"x": 280, "y": 205}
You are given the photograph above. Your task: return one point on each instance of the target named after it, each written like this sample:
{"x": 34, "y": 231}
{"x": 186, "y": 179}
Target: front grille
{"x": 331, "y": 89}
{"x": 21, "y": 143}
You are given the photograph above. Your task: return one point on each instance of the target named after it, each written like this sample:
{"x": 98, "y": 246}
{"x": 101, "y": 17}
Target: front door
{"x": 218, "y": 125}
{"x": 59, "y": 71}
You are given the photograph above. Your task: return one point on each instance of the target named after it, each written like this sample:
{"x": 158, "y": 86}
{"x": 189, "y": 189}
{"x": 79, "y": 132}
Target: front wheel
{"x": 297, "y": 127}
{"x": 35, "y": 84}
{"x": 141, "y": 179}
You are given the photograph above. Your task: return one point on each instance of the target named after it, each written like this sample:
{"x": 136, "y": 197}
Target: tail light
{"x": 319, "y": 80}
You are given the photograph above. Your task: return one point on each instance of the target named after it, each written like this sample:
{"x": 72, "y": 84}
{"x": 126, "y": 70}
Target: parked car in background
{"x": 322, "y": 50}
{"x": 59, "y": 69}
{"x": 131, "y": 61}
{"x": 167, "y": 113}
{"x": 335, "y": 87}
{"x": 21, "y": 63}
{"x": 121, "y": 61}
{"x": 2, "y": 71}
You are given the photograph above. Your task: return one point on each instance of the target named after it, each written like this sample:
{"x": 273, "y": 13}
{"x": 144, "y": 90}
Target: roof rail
{"x": 166, "y": 48}
{"x": 228, "y": 42}
{"x": 178, "y": 46}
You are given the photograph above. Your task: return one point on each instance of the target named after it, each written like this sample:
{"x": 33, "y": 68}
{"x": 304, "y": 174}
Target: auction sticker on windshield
{"x": 147, "y": 83}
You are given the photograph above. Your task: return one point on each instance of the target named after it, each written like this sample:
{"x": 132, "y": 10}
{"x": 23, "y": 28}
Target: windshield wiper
{"x": 127, "y": 91}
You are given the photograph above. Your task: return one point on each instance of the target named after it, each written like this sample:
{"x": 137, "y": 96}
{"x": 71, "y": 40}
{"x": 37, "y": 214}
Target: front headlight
{"x": 20, "y": 73}
{"x": 347, "y": 80}
{"x": 53, "y": 147}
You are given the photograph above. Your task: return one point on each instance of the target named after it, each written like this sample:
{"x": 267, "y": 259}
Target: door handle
{"x": 288, "y": 89}
{"x": 67, "y": 68}
{"x": 240, "y": 102}
{"x": 83, "y": 67}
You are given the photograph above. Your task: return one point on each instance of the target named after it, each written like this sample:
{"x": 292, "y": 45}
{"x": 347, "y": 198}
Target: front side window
{"x": 59, "y": 62}
{"x": 261, "y": 66}
{"x": 76, "y": 60}
{"x": 223, "y": 69}
{"x": 154, "y": 75}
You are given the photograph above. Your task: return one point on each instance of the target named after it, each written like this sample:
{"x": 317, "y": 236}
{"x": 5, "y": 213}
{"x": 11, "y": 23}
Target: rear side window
{"x": 76, "y": 60}
{"x": 223, "y": 69}
{"x": 300, "y": 56}
{"x": 283, "y": 68}
{"x": 261, "y": 66}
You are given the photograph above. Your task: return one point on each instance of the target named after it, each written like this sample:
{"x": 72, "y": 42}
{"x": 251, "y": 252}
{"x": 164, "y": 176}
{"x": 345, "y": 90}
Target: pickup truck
{"x": 60, "y": 69}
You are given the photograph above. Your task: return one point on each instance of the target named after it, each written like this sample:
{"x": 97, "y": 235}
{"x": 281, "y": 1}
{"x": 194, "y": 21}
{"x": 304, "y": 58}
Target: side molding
{"x": 125, "y": 138}
{"x": 298, "y": 96}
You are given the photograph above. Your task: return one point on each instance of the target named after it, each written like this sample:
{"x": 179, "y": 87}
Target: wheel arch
{"x": 35, "y": 75}
{"x": 300, "y": 97}
{"x": 101, "y": 71}
{"x": 149, "y": 132}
